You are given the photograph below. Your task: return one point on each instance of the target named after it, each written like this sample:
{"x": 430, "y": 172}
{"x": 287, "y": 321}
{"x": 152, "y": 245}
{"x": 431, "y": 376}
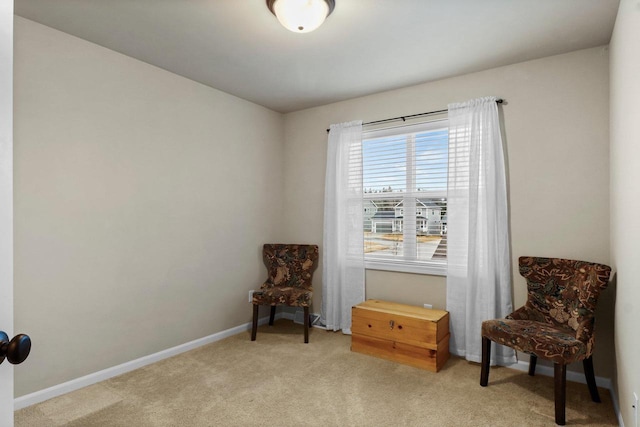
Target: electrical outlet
{"x": 251, "y": 295}
{"x": 635, "y": 408}
{"x": 428, "y": 306}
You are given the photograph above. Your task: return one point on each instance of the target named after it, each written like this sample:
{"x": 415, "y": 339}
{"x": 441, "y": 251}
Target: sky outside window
{"x": 385, "y": 162}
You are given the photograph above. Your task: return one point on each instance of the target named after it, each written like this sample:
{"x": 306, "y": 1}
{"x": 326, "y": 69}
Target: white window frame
{"x": 431, "y": 267}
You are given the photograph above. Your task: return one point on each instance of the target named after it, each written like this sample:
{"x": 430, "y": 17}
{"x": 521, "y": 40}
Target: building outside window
{"x": 405, "y": 198}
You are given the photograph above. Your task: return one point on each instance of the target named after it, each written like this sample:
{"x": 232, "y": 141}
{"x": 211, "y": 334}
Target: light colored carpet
{"x": 280, "y": 381}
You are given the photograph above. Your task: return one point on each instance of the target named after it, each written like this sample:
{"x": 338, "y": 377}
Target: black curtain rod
{"x": 404, "y": 118}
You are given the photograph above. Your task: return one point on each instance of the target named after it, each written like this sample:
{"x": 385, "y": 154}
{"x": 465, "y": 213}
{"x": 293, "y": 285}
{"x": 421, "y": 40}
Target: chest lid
{"x": 403, "y": 310}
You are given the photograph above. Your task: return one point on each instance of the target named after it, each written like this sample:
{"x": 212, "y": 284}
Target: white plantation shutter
{"x": 404, "y": 174}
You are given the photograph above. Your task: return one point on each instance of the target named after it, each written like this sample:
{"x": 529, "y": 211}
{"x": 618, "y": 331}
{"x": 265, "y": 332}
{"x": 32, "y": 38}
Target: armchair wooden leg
{"x": 486, "y": 358}
{"x": 560, "y": 388}
{"x": 306, "y": 325}
{"x": 533, "y": 359}
{"x": 591, "y": 379}
{"x": 272, "y": 315}
{"x": 254, "y": 325}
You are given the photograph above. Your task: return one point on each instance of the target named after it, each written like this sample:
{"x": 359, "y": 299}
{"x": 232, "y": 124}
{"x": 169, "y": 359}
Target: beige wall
{"x": 556, "y": 133}
{"x": 142, "y": 200}
{"x": 625, "y": 202}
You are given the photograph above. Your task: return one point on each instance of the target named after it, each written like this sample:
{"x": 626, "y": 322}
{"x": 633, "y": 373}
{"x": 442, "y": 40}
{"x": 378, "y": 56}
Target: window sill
{"x": 433, "y": 268}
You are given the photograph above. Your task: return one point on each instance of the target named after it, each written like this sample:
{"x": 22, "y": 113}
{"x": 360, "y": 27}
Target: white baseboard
{"x": 105, "y": 374}
{"x": 616, "y": 406}
{"x": 547, "y": 371}
{"x": 617, "y": 409}
{"x": 577, "y": 377}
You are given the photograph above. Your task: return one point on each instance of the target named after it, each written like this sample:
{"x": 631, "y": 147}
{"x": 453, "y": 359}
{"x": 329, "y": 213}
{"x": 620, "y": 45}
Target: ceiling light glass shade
{"x": 301, "y": 16}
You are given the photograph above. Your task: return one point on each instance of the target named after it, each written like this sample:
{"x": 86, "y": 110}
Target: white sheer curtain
{"x": 478, "y": 255}
{"x": 343, "y": 241}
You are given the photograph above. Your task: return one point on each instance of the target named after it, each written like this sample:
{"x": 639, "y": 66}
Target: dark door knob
{"x": 16, "y": 350}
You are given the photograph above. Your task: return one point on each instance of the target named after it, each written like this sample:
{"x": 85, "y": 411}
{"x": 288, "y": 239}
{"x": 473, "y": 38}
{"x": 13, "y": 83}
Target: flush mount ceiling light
{"x": 301, "y": 16}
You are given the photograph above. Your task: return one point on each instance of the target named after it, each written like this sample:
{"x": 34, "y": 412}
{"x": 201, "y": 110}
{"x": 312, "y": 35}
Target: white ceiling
{"x": 364, "y": 47}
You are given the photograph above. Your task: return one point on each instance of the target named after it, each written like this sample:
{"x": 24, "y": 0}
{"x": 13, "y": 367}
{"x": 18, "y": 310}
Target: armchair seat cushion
{"x": 541, "y": 339}
{"x": 291, "y": 296}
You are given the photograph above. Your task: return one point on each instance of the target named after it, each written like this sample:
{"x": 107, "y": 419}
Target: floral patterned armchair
{"x": 290, "y": 269}
{"x": 556, "y": 323}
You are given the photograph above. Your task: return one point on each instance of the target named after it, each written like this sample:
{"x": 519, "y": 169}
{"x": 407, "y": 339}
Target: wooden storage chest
{"x": 402, "y": 333}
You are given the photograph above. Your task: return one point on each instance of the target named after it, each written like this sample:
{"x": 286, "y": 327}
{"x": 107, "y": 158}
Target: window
{"x": 405, "y": 198}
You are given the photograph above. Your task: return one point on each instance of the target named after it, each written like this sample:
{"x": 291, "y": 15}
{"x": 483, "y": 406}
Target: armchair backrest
{"x": 289, "y": 265}
{"x": 564, "y": 292}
